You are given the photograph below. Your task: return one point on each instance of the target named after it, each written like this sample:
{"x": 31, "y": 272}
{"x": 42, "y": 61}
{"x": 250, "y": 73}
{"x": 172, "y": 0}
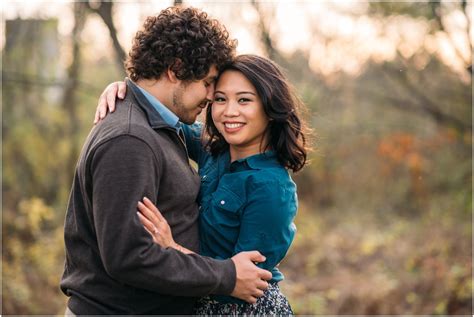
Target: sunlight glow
{"x": 337, "y": 35}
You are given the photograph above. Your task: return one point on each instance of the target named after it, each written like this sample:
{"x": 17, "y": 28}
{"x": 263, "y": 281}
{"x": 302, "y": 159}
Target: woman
{"x": 252, "y": 137}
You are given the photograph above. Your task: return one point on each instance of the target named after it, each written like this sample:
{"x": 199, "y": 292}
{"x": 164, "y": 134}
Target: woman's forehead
{"x": 233, "y": 79}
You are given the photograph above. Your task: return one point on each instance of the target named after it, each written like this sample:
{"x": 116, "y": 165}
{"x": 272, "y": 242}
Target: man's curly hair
{"x": 185, "y": 40}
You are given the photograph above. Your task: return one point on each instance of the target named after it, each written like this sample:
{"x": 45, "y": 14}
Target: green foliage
{"x": 32, "y": 258}
{"x": 415, "y": 9}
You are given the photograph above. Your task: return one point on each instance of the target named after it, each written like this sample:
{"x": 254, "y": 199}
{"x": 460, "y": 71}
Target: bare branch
{"x": 69, "y": 102}
{"x": 468, "y": 31}
{"x": 437, "y": 13}
{"x": 421, "y": 103}
{"x": 268, "y": 44}
{"x": 104, "y": 10}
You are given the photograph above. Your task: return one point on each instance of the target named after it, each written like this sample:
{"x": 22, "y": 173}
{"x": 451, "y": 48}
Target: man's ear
{"x": 171, "y": 76}
{"x": 171, "y": 72}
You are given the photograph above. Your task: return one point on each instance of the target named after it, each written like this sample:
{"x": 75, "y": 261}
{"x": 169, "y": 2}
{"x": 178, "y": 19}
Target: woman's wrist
{"x": 176, "y": 246}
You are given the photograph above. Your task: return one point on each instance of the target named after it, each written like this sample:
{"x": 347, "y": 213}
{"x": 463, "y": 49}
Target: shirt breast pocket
{"x": 227, "y": 208}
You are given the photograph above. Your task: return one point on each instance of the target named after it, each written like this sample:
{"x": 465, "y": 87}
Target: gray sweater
{"x": 112, "y": 265}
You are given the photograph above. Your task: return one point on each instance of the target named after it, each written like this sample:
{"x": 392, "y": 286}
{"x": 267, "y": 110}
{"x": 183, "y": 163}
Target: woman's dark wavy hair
{"x": 183, "y": 39}
{"x": 281, "y": 105}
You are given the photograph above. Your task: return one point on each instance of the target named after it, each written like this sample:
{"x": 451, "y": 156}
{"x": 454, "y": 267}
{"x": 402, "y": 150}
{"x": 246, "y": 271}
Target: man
{"x": 112, "y": 265}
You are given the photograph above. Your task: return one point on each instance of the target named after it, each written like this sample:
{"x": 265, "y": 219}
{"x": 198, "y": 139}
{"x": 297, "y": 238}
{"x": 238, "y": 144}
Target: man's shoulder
{"x": 128, "y": 120}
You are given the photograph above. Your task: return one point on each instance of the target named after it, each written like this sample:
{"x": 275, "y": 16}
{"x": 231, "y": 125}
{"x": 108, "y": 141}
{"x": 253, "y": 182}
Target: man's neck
{"x": 158, "y": 89}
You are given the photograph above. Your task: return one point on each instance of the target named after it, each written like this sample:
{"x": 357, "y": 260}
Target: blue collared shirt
{"x": 245, "y": 205}
{"x": 167, "y": 115}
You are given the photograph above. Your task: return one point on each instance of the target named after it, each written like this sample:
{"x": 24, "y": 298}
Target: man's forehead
{"x": 212, "y": 72}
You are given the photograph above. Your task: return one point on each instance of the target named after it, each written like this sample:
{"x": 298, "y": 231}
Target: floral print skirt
{"x": 273, "y": 302}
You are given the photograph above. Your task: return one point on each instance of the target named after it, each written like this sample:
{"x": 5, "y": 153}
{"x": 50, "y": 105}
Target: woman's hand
{"x": 107, "y": 99}
{"x": 155, "y": 224}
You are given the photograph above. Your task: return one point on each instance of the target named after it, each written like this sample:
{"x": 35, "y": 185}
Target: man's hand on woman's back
{"x": 251, "y": 280}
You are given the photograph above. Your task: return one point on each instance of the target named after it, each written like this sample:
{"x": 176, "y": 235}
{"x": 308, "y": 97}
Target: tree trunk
{"x": 70, "y": 99}
{"x": 104, "y": 10}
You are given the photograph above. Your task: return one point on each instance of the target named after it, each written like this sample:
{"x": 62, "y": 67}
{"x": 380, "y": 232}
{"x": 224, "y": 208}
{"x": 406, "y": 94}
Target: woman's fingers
{"x": 122, "y": 88}
{"x": 96, "y": 116}
{"x": 150, "y": 215}
{"x": 111, "y": 94}
{"x": 147, "y": 224}
{"x": 153, "y": 208}
{"x": 101, "y": 106}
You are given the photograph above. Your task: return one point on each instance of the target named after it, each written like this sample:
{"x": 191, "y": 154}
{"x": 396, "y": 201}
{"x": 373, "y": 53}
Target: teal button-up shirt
{"x": 245, "y": 205}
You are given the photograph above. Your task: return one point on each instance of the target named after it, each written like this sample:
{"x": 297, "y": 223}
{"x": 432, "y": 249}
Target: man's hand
{"x": 251, "y": 280}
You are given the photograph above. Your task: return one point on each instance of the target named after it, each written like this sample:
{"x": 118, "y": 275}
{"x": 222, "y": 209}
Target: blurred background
{"x": 384, "y": 220}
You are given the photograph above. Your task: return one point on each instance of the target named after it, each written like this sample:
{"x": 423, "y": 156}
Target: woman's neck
{"x": 240, "y": 152}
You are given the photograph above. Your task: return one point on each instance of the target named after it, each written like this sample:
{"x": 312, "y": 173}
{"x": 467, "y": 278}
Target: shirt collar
{"x": 166, "y": 114}
{"x": 257, "y": 161}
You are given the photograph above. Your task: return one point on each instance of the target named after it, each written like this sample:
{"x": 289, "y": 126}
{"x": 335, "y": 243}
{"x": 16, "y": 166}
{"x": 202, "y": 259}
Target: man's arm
{"x": 124, "y": 170}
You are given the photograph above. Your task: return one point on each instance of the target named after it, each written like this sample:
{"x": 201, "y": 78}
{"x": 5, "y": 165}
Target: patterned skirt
{"x": 273, "y": 302}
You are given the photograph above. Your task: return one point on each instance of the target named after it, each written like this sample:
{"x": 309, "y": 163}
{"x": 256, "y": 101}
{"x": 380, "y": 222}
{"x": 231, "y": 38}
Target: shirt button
{"x": 204, "y": 177}
{"x": 222, "y": 202}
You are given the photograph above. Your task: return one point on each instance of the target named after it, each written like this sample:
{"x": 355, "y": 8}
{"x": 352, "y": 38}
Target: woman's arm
{"x": 156, "y": 225}
{"x": 267, "y": 222}
{"x": 192, "y": 134}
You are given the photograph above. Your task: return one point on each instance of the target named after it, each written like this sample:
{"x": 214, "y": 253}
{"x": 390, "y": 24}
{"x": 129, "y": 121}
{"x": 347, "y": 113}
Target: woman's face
{"x": 237, "y": 112}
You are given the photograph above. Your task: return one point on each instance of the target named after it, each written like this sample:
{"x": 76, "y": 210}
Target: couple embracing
{"x": 146, "y": 233}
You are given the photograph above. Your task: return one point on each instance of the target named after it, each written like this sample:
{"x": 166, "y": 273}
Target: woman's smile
{"x": 233, "y": 127}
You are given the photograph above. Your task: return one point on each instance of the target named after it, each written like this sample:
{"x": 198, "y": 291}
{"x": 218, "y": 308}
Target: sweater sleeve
{"x": 123, "y": 171}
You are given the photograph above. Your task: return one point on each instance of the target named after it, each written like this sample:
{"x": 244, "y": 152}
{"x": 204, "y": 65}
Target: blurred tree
{"x": 69, "y": 102}
{"x": 266, "y": 15}
{"x": 414, "y": 91}
{"x": 436, "y": 12}
{"x": 104, "y": 9}
{"x": 33, "y": 124}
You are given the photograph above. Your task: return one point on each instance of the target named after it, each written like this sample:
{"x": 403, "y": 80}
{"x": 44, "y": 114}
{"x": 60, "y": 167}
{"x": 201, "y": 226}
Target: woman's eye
{"x": 219, "y": 99}
{"x": 244, "y": 100}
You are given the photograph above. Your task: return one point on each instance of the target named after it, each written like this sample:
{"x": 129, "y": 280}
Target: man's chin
{"x": 189, "y": 120}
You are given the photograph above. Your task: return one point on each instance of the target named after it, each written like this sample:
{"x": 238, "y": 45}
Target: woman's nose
{"x": 231, "y": 109}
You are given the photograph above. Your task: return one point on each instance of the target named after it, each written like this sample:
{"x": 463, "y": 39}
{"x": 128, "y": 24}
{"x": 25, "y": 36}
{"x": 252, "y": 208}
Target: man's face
{"x": 190, "y": 98}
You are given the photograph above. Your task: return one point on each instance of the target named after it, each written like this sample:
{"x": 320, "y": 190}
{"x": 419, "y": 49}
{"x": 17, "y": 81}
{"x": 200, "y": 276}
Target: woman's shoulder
{"x": 276, "y": 174}
{"x": 270, "y": 183}
{"x": 194, "y": 129}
